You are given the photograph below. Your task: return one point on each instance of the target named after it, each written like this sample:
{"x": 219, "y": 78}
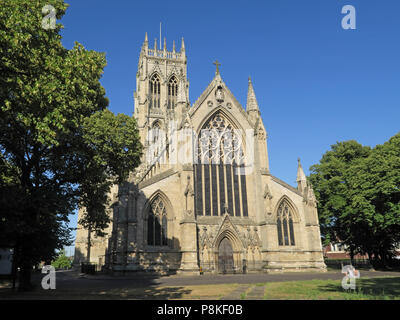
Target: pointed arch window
{"x": 284, "y": 225}
{"x": 157, "y": 223}
{"x": 172, "y": 92}
{"x": 155, "y": 91}
{"x": 220, "y": 159}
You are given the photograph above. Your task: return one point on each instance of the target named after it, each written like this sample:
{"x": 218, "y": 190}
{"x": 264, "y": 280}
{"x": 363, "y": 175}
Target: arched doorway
{"x": 225, "y": 256}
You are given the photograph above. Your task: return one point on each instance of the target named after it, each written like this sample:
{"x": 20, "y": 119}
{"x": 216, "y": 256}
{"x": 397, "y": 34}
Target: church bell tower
{"x": 162, "y": 87}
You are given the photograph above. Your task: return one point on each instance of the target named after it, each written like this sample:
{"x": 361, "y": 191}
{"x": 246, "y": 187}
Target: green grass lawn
{"x": 387, "y": 288}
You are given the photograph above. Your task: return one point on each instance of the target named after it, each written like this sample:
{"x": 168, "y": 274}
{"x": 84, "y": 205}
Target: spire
{"x": 252, "y": 104}
{"x": 146, "y": 43}
{"x": 155, "y": 44}
{"x": 173, "y": 46}
{"x": 301, "y": 177}
{"x": 183, "y": 45}
{"x": 165, "y": 44}
{"x": 300, "y": 173}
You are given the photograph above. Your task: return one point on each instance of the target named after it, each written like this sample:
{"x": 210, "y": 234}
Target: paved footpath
{"x": 237, "y": 293}
{"x": 256, "y": 293}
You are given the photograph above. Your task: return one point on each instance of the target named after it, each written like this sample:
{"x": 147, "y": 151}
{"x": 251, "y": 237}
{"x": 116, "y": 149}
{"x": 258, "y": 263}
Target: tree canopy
{"x": 358, "y": 193}
{"x": 60, "y": 147}
{"x": 62, "y": 261}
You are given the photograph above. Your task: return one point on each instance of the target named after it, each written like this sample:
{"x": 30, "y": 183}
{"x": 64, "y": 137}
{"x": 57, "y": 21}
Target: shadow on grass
{"x": 373, "y": 287}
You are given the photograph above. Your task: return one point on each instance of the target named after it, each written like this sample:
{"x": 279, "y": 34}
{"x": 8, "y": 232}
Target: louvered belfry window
{"x": 220, "y": 157}
{"x": 172, "y": 92}
{"x": 155, "y": 91}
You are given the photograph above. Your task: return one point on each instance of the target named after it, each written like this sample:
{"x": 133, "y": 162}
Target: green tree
{"x": 111, "y": 150}
{"x": 54, "y": 154}
{"x": 357, "y": 189}
{"x": 62, "y": 261}
{"x": 329, "y": 179}
{"x": 375, "y": 194}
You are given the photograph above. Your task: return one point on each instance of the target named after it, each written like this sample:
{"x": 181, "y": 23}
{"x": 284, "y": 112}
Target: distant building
{"x": 337, "y": 250}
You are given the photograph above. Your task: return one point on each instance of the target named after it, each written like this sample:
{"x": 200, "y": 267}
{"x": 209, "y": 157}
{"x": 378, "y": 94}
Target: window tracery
{"x": 220, "y": 159}
{"x": 172, "y": 92}
{"x": 155, "y": 91}
{"x": 157, "y": 223}
{"x": 285, "y": 225}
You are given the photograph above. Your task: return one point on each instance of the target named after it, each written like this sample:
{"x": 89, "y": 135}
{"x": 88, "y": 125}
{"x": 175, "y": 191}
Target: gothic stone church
{"x": 209, "y": 211}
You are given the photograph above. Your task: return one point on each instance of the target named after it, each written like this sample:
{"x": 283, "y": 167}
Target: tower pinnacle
{"x": 252, "y": 104}
{"x": 183, "y": 45}
{"x": 301, "y": 177}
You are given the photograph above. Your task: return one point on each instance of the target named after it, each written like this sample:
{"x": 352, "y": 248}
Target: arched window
{"x": 155, "y": 91}
{"x": 157, "y": 223}
{"x": 220, "y": 158}
{"x": 172, "y": 92}
{"x": 284, "y": 224}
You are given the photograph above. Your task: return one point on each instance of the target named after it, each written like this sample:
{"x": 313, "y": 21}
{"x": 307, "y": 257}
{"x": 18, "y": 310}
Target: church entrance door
{"x": 225, "y": 256}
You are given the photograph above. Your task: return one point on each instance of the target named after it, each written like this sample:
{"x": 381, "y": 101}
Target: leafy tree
{"x": 375, "y": 193}
{"x": 357, "y": 189}
{"x": 62, "y": 261}
{"x": 330, "y": 182}
{"x": 54, "y": 155}
{"x": 111, "y": 151}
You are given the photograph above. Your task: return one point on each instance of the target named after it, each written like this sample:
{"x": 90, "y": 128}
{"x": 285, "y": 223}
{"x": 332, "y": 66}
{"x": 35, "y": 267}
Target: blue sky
{"x": 315, "y": 82}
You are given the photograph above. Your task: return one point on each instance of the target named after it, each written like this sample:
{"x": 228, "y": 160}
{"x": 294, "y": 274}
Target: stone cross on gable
{"x": 217, "y": 64}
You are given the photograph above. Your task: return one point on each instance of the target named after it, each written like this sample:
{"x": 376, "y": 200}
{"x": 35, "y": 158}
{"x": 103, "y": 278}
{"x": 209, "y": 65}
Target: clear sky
{"x": 315, "y": 82}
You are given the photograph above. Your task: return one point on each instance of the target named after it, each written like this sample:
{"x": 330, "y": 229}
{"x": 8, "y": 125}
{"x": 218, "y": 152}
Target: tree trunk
{"x": 382, "y": 254}
{"x": 25, "y": 277}
{"x": 376, "y": 260}
{"x": 352, "y": 256}
{"x": 371, "y": 262}
{"x": 14, "y": 267}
